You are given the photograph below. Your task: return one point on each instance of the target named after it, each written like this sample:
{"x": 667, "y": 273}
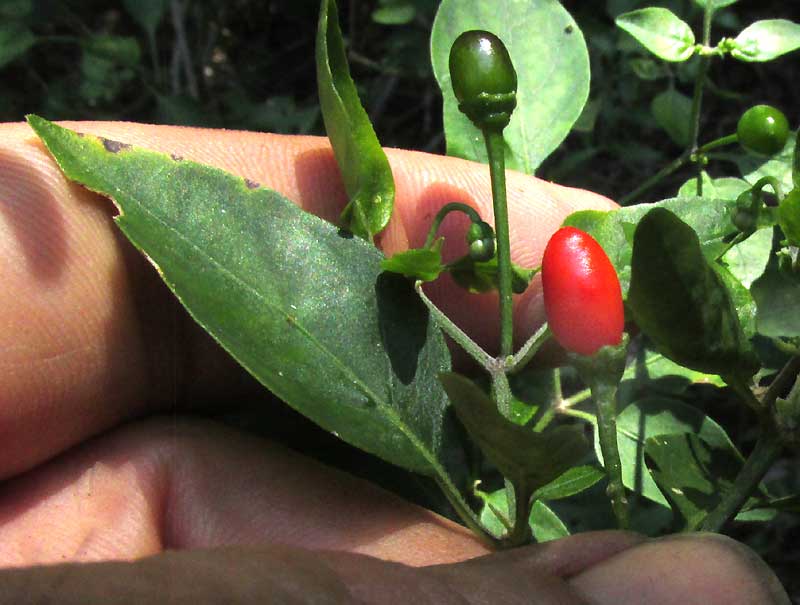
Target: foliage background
{"x": 249, "y": 64}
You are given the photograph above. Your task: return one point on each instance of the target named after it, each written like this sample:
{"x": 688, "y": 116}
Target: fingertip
{"x": 684, "y": 568}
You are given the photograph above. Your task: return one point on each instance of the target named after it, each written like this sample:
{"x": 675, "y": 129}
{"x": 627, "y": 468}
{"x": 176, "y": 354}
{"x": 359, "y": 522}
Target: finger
{"x": 90, "y": 337}
{"x": 164, "y": 484}
{"x": 683, "y": 568}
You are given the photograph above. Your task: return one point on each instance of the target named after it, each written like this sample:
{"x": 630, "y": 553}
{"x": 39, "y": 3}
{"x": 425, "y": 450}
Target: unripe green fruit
{"x": 763, "y": 129}
{"x": 480, "y": 239}
{"x": 483, "y": 78}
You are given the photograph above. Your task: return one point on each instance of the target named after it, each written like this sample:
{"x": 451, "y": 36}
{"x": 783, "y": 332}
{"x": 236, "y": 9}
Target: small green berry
{"x": 763, "y": 129}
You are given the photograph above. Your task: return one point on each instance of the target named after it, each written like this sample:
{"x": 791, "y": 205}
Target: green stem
{"x": 721, "y": 142}
{"x": 456, "y": 333}
{"x": 497, "y": 171}
{"x": 784, "y": 378}
{"x": 443, "y": 212}
{"x": 605, "y": 398}
{"x": 767, "y": 449}
{"x": 654, "y": 180}
{"x": 556, "y": 400}
{"x": 521, "y": 531}
{"x": 466, "y": 514}
{"x": 529, "y": 349}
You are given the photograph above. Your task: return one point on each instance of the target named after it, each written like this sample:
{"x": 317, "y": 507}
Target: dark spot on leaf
{"x": 114, "y": 146}
{"x": 403, "y": 321}
{"x": 251, "y": 184}
{"x": 176, "y": 157}
{"x": 568, "y": 29}
{"x": 80, "y": 134}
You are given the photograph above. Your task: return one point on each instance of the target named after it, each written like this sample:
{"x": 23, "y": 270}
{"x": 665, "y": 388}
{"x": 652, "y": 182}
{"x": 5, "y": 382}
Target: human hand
{"x": 93, "y": 340}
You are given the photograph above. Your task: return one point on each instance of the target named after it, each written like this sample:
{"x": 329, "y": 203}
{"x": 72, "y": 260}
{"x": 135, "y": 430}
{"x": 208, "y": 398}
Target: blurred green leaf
{"x": 543, "y": 40}
{"x": 789, "y": 217}
{"x": 766, "y": 40}
{"x": 670, "y": 109}
{"x": 15, "y": 10}
{"x": 147, "y": 13}
{"x": 754, "y": 167}
{"x": 545, "y": 524}
{"x": 15, "y": 41}
{"x": 725, "y": 188}
{"x": 748, "y": 260}
{"x": 681, "y": 303}
{"x": 394, "y": 13}
{"x": 654, "y": 417}
{"x": 776, "y": 294}
{"x": 120, "y": 50}
{"x": 306, "y": 311}
{"x": 660, "y": 31}
{"x": 362, "y": 162}
{"x": 692, "y": 474}
{"x": 716, "y": 4}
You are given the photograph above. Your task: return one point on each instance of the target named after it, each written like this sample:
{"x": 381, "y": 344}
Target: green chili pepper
{"x": 484, "y": 80}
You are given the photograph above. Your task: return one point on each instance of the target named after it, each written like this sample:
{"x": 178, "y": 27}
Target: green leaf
{"x": 365, "y": 169}
{"x": 654, "y": 417}
{"x": 748, "y": 260}
{"x": 545, "y": 524}
{"x": 754, "y": 167}
{"x": 572, "y": 482}
{"x": 660, "y": 31}
{"x": 681, "y": 303}
{"x": 670, "y": 109}
{"x": 789, "y": 218}
{"x": 306, "y": 311}
{"x": 725, "y": 188}
{"x": 15, "y": 41}
{"x": 692, "y": 474}
{"x": 710, "y": 218}
{"x": 534, "y": 459}
{"x": 419, "y": 263}
{"x": 483, "y": 276}
{"x": 552, "y": 64}
{"x": 766, "y": 40}
{"x": 776, "y": 294}
{"x": 120, "y": 50}
{"x": 716, "y": 4}
{"x": 394, "y": 14}
{"x": 147, "y": 13}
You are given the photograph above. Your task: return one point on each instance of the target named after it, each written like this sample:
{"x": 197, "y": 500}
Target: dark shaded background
{"x": 249, "y": 64}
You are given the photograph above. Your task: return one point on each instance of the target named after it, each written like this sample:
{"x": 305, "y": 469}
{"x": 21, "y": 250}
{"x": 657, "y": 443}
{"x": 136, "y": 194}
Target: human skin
{"x": 105, "y": 465}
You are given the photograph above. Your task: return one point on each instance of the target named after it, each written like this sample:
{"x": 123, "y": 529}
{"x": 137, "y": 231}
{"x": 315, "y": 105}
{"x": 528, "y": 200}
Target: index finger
{"x": 90, "y": 336}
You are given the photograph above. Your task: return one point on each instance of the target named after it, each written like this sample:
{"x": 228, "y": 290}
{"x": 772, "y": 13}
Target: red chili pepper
{"x": 582, "y": 295}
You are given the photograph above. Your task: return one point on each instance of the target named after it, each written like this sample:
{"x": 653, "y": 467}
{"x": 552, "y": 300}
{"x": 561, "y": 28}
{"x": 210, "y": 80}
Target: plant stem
{"x": 721, "y": 142}
{"x": 784, "y": 378}
{"x": 605, "y": 398}
{"x": 529, "y": 349}
{"x": 456, "y": 333}
{"x": 443, "y": 212}
{"x": 466, "y": 514}
{"x": 667, "y": 170}
{"x": 694, "y": 124}
{"x": 521, "y": 532}
{"x": 767, "y": 449}
{"x": 496, "y": 153}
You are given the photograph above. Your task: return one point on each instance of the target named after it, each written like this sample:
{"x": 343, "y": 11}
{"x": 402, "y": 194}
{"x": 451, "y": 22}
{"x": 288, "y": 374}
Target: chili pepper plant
{"x": 644, "y": 302}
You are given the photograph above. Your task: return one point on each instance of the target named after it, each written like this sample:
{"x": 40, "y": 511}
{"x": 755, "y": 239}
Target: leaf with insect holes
{"x": 305, "y": 309}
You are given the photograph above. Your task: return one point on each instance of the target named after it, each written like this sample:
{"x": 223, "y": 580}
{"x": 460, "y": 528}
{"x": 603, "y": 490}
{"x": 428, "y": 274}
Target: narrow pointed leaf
{"x": 307, "y": 311}
{"x": 364, "y": 166}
